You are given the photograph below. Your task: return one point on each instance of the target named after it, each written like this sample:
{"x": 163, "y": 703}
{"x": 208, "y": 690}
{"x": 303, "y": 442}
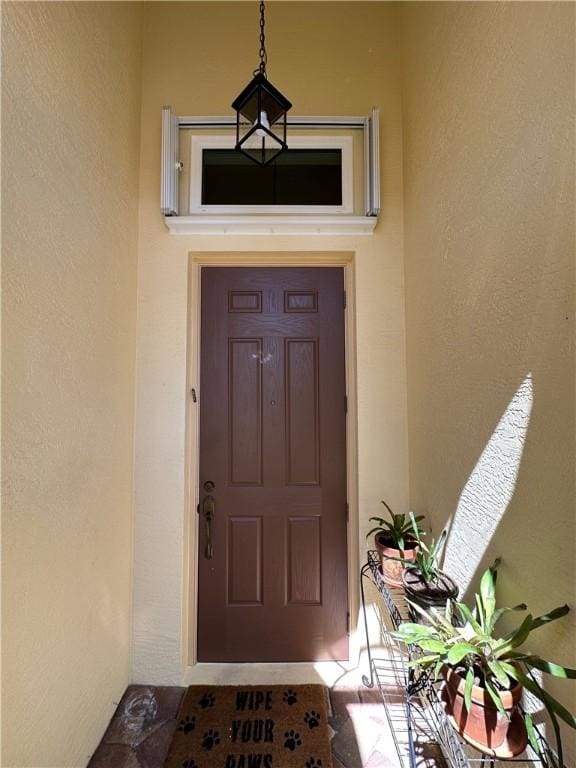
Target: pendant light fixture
{"x": 261, "y": 112}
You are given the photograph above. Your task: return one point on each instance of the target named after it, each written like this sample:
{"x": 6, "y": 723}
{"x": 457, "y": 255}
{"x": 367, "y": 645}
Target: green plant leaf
{"x": 411, "y": 632}
{"x": 516, "y": 637}
{"x": 499, "y": 673}
{"x": 546, "y": 618}
{"x": 553, "y": 706}
{"x": 510, "y": 669}
{"x": 468, "y": 616}
{"x": 383, "y": 525}
{"x": 397, "y": 559}
{"x": 557, "y": 670}
{"x": 488, "y": 595}
{"x": 468, "y": 685}
{"x": 437, "y": 547}
{"x": 532, "y": 735}
{"x": 458, "y": 651}
{"x": 415, "y": 528}
{"x": 387, "y": 507}
{"x": 432, "y": 645}
{"x": 494, "y": 696}
{"x": 480, "y": 612}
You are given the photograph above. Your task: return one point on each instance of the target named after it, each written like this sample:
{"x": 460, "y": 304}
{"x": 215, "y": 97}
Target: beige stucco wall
{"x": 488, "y": 108}
{"x": 329, "y": 58}
{"x": 489, "y": 196}
{"x": 71, "y": 109}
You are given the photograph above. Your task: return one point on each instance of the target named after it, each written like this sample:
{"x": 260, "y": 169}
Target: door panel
{"x": 301, "y": 394}
{"x": 245, "y": 411}
{"x": 272, "y": 441}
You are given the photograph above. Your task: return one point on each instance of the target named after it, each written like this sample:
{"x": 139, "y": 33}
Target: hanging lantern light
{"x": 261, "y": 112}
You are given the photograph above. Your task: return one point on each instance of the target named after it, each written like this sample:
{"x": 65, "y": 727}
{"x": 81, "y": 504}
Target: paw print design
{"x": 290, "y": 697}
{"x": 187, "y": 725}
{"x": 314, "y": 763}
{"x": 210, "y": 739}
{"x": 312, "y": 719}
{"x": 207, "y": 700}
{"x": 189, "y": 764}
{"x": 292, "y": 740}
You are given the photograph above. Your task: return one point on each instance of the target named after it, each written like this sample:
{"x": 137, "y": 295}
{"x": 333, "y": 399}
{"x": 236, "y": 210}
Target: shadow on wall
{"x": 489, "y": 489}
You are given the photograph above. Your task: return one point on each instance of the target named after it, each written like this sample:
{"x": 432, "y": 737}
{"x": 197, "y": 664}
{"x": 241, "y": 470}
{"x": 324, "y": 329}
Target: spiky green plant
{"x": 398, "y": 528}
{"x": 474, "y": 648}
{"x": 427, "y": 558}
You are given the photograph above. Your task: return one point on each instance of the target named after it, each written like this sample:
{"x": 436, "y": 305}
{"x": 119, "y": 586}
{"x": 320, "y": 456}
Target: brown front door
{"x": 272, "y": 553}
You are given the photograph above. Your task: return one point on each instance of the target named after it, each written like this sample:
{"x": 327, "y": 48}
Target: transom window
{"x": 314, "y": 175}
{"x": 295, "y": 177}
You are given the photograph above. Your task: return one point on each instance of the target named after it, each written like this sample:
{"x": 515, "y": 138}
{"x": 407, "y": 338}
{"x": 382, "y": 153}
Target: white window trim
{"x": 201, "y": 224}
{"x": 344, "y": 143}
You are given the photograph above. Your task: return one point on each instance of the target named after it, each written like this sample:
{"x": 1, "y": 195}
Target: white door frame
{"x": 344, "y": 259}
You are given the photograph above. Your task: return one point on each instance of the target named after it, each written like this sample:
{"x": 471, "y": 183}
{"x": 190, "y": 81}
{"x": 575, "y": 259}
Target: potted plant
{"x": 395, "y": 543}
{"x": 485, "y": 672}
{"x": 424, "y": 583}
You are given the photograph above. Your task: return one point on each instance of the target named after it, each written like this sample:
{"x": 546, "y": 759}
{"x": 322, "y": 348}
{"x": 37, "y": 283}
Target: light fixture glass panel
{"x": 259, "y": 143}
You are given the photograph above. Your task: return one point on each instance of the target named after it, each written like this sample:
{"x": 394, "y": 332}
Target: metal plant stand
{"x": 419, "y": 727}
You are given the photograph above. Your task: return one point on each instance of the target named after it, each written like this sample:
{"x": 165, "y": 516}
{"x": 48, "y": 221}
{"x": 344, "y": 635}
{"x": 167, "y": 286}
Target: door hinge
{"x": 344, "y": 298}
{"x": 347, "y": 512}
{"x": 193, "y": 393}
{"x": 348, "y": 623}
{"x": 345, "y": 403}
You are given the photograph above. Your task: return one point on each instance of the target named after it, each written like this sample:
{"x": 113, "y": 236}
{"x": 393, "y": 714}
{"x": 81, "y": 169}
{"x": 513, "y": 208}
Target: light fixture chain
{"x": 263, "y": 54}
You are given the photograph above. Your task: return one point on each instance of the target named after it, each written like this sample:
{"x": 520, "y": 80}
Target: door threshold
{"x": 341, "y": 674}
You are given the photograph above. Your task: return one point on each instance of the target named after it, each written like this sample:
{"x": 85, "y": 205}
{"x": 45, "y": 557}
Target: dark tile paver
{"x": 341, "y": 698}
{"x": 124, "y": 730}
{"x": 345, "y": 746}
{"x": 114, "y": 756}
{"x": 168, "y": 700}
{"x": 156, "y": 746}
{"x": 370, "y": 696}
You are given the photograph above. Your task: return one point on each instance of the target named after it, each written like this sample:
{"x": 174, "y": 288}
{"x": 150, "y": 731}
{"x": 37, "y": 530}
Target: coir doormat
{"x": 272, "y": 726}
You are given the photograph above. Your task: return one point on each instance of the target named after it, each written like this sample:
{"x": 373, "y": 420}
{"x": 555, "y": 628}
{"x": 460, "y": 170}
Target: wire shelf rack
{"x": 419, "y": 727}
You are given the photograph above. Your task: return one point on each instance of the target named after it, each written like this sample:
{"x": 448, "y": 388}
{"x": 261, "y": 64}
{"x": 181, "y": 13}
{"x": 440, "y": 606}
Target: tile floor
{"x": 141, "y": 730}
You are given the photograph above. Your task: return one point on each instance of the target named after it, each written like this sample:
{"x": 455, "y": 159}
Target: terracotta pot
{"x": 428, "y": 594}
{"x": 392, "y": 569}
{"x": 484, "y": 726}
